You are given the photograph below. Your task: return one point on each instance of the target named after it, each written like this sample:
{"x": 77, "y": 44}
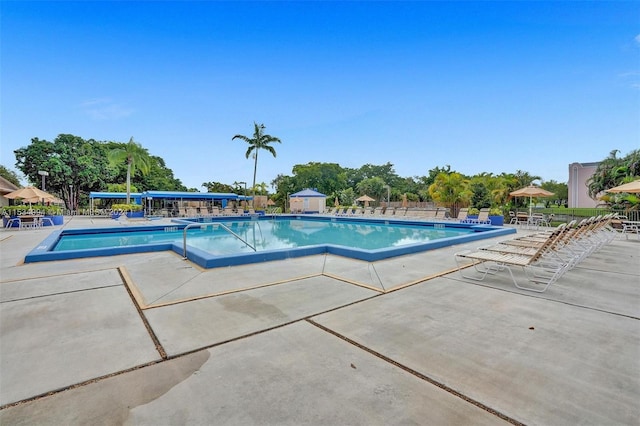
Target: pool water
{"x": 268, "y": 235}
{"x": 210, "y": 245}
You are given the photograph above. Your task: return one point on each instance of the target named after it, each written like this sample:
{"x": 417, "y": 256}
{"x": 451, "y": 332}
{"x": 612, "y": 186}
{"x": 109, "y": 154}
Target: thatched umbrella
{"x": 365, "y": 199}
{"x": 531, "y": 191}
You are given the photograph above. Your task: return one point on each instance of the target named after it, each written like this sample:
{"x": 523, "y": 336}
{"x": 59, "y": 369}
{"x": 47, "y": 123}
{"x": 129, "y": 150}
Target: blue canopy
{"x": 177, "y": 195}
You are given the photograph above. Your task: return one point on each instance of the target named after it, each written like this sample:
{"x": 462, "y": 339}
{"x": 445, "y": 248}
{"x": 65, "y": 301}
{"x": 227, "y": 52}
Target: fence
{"x": 567, "y": 215}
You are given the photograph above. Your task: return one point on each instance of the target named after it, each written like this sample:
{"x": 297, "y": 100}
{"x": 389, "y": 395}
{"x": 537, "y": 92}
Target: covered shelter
{"x": 121, "y": 197}
{"x": 170, "y": 202}
{"x": 307, "y": 201}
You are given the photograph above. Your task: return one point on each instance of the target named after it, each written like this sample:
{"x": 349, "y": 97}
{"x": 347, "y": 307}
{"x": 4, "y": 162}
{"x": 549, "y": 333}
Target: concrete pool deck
{"x": 152, "y": 339}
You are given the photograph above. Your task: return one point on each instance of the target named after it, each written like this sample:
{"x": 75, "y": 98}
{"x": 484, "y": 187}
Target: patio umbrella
{"x": 404, "y": 200}
{"x": 365, "y": 199}
{"x": 336, "y": 203}
{"x": 48, "y": 199}
{"x": 531, "y": 191}
{"x": 30, "y": 194}
{"x": 631, "y": 187}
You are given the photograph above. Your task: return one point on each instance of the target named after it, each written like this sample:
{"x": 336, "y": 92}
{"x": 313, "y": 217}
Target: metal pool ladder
{"x": 222, "y": 225}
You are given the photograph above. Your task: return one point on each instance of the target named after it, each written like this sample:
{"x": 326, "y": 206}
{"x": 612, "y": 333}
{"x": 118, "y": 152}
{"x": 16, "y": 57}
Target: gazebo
{"x": 307, "y": 201}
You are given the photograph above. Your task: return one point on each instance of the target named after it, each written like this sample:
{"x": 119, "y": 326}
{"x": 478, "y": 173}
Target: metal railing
{"x": 222, "y": 225}
{"x": 569, "y": 214}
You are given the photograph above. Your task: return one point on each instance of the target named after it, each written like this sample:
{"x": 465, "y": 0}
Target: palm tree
{"x": 257, "y": 142}
{"x": 137, "y": 158}
{"x": 450, "y": 189}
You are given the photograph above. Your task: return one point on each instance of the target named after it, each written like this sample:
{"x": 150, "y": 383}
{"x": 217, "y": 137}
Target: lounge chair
{"x": 483, "y": 217}
{"x": 402, "y": 211}
{"x": 462, "y": 215}
{"x": 442, "y": 214}
{"x": 413, "y": 214}
{"x": 539, "y": 267}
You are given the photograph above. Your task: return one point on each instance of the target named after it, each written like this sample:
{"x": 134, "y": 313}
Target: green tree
{"x": 613, "y": 171}
{"x": 135, "y": 156}
{"x": 384, "y": 172}
{"x": 256, "y": 143}
{"x": 525, "y": 178}
{"x": 450, "y": 189}
{"x": 9, "y": 175}
{"x": 159, "y": 177}
{"x": 284, "y": 186}
{"x": 560, "y": 191}
{"x": 480, "y": 197}
{"x": 374, "y": 187}
{"x": 347, "y": 197}
{"x": 120, "y": 187}
{"x": 327, "y": 178}
{"x": 220, "y": 187}
{"x": 74, "y": 165}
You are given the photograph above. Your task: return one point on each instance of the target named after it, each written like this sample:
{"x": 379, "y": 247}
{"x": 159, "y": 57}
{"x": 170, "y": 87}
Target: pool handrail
{"x": 222, "y": 225}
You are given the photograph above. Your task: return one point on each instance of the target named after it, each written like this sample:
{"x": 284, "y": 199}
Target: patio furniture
{"x": 538, "y": 267}
{"x": 630, "y": 227}
{"x": 30, "y": 221}
{"x": 462, "y": 214}
{"x": 11, "y": 221}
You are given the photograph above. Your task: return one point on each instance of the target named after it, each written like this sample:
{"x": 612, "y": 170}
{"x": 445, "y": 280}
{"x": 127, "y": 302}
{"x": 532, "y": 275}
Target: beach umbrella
{"x": 48, "y": 199}
{"x": 404, "y": 200}
{"x": 31, "y": 194}
{"x": 631, "y": 187}
{"x": 531, "y": 191}
{"x": 336, "y": 203}
{"x": 270, "y": 202}
{"x": 365, "y": 199}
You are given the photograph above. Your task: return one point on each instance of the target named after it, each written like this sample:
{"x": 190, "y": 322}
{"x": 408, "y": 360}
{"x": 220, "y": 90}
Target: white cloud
{"x": 105, "y": 109}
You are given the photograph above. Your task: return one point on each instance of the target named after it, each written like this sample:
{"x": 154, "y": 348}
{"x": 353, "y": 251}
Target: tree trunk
{"x": 129, "y": 182}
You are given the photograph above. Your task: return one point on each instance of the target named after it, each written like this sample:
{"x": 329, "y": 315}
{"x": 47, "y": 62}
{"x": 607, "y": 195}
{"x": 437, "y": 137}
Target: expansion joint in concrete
{"x": 419, "y": 375}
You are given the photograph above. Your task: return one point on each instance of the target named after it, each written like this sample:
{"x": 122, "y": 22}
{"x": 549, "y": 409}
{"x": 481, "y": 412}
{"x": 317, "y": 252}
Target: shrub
{"x": 473, "y": 211}
{"x": 495, "y": 211}
{"x": 126, "y": 207}
{"x": 52, "y": 210}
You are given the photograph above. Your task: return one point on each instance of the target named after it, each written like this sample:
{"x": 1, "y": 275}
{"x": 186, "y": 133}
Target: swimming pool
{"x": 234, "y": 241}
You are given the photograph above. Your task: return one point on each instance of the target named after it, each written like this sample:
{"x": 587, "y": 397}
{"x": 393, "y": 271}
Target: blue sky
{"x": 480, "y": 86}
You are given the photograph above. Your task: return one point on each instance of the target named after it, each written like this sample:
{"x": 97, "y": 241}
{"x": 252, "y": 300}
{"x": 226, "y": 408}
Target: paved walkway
{"x": 150, "y": 339}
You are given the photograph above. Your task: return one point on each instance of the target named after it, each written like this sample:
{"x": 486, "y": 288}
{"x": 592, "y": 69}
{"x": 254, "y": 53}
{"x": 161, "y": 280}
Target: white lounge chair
{"x": 539, "y": 268}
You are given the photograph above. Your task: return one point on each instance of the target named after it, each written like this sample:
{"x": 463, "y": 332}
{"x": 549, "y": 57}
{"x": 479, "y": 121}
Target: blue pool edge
{"x": 43, "y": 252}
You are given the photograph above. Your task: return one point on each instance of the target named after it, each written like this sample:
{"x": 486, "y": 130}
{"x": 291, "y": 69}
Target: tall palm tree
{"x": 137, "y": 158}
{"x": 257, "y": 142}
